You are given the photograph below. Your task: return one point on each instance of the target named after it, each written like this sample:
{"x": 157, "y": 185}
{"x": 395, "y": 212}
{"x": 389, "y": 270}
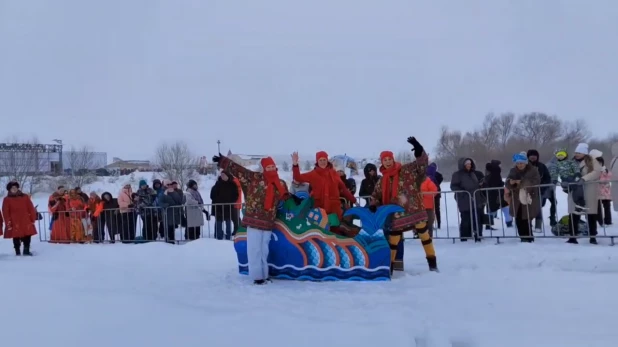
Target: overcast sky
{"x": 273, "y": 76}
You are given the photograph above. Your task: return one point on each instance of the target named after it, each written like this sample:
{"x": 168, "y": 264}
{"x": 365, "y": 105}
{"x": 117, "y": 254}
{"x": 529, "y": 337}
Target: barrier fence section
{"x": 529, "y": 219}
{"x": 477, "y": 214}
{"x": 174, "y": 224}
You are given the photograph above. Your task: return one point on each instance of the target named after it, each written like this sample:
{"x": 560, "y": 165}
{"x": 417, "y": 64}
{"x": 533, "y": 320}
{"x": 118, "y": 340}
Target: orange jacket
{"x": 95, "y": 206}
{"x": 429, "y": 191}
{"x": 239, "y": 200}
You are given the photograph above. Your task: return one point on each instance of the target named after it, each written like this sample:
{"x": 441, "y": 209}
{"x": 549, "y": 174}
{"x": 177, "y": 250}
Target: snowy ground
{"x": 542, "y": 294}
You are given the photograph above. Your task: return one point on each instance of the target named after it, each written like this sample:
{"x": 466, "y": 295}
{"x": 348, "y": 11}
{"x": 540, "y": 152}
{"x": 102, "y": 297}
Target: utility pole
{"x": 218, "y": 146}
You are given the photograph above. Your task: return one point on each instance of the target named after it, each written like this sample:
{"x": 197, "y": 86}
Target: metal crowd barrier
{"x": 179, "y": 224}
{"x": 175, "y": 224}
{"x": 542, "y": 194}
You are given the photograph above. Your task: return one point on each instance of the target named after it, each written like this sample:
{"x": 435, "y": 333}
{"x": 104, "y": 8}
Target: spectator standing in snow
{"x": 465, "y": 183}
{"x": 545, "y": 190}
{"x": 171, "y": 202}
{"x": 59, "y": 208}
{"x": 194, "y": 209}
{"x": 605, "y": 194}
{"x": 110, "y": 216}
{"x": 368, "y": 184}
{"x": 146, "y": 206}
{"x": 495, "y": 193}
{"x": 562, "y": 168}
{"x": 523, "y": 181}
{"x": 437, "y": 178}
{"x": 95, "y": 207}
{"x": 613, "y": 168}
{"x": 77, "y": 214}
{"x": 263, "y": 192}
{"x": 128, "y": 216}
{"x": 19, "y": 218}
{"x": 224, "y": 195}
{"x": 589, "y": 170}
{"x": 429, "y": 190}
{"x": 158, "y": 187}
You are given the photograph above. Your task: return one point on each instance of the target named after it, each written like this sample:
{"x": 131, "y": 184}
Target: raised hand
{"x": 295, "y": 158}
{"x": 216, "y": 158}
{"x": 416, "y": 146}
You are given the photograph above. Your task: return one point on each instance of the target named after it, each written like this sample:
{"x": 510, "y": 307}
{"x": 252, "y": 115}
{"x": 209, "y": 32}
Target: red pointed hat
{"x": 267, "y": 161}
{"x": 321, "y": 154}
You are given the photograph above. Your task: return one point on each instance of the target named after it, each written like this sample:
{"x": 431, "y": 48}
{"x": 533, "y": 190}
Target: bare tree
{"x": 82, "y": 164}
{"x": 307, "y": 166}
{"x": 23, "y": 162}
{"x": 501, "y": 137}
{"x": 177, "y": 162}
{"x": 538, "y": 129}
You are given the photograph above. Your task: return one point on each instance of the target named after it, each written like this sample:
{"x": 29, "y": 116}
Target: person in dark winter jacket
{"x": 110, "y": 217}
{"x": 495, "y": 193}
{"x": 466, "y": 182}
{"x": 547, "y": 192}
{"x": 146, "y": 206}
{"x": 158, "y": 187}
{"x": 437, "y": 178}
{"x": 223, "y": 196}
{"x": 172, "y": 203}
{"x": 369, "y": 182}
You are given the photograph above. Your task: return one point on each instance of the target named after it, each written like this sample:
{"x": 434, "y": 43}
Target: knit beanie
{"x": 595, "y": 153}
{"x": 582, "y": 148}
{"x": 321, "y": 154}
{"x": 520, "y": 158}
{"x": 142, "y": 183}
{"x": 267, "y": 162}
{"x": 386, "y": 154}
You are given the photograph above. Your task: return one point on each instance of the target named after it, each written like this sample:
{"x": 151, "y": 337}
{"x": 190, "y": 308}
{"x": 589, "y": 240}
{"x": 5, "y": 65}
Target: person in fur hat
{"x": 401, "y": 185}
{"x": 19, "y": 218}
{"x": 263, "y": 191}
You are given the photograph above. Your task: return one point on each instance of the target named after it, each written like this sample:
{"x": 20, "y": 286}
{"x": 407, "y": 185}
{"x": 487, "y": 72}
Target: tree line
{"x": 501, "y": 135}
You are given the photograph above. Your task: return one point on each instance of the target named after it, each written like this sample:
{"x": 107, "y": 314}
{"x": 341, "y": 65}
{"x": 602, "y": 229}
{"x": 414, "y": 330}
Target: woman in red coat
{"x": 19, "y": 218}
{"x": 326, "y": 185}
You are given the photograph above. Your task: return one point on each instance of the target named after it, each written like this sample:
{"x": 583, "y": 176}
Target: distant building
{"x": 83, "y": 160}
{"x": 245, "y": 159}
{"x": 26, "y": 158}
{"x": 119, "y": 164}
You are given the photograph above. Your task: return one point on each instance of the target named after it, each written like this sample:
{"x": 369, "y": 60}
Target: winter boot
{"x": 27, "y": 251}
{"x": 572, "y": 241}
{"x": 433, "y": 263}
{"x": 509, "y": 224}
{"x": 593, "y": 241}
{"x": 17, "y": 251}
{"x": 259, "y": 282}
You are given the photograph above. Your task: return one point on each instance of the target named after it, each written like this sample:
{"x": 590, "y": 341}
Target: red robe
{"x": 19, "y": 216}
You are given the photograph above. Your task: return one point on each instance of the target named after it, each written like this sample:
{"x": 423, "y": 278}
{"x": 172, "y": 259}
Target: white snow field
{"x": 496, "y": 295}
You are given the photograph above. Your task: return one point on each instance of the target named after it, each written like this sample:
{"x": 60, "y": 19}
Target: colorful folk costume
{"x": 401, "y": 185}
{"x": 263, "y": 191}
{"x": 59, "y": 209}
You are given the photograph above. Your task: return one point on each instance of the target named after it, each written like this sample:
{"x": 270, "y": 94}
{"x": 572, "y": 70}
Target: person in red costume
{"x": 326, "y": 185}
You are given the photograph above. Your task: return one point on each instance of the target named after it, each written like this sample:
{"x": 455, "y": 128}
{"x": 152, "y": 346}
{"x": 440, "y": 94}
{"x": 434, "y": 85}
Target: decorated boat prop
{"x": 303, "y": 247}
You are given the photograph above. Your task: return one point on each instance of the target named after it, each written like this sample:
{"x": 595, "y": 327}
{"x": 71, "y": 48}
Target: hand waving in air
{"x": 295, "y": 158}
{"x": 416, "y": 146}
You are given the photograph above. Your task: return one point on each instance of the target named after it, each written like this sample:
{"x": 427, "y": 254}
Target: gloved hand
{"x": 207, "y": 215}
{"x": 416, "y": 146}
{"x": 217, "y": 158}
{"x": 373, "y": 208}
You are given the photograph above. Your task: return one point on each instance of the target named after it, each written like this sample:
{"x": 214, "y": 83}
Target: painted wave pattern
{"x": 333, "y": 273}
